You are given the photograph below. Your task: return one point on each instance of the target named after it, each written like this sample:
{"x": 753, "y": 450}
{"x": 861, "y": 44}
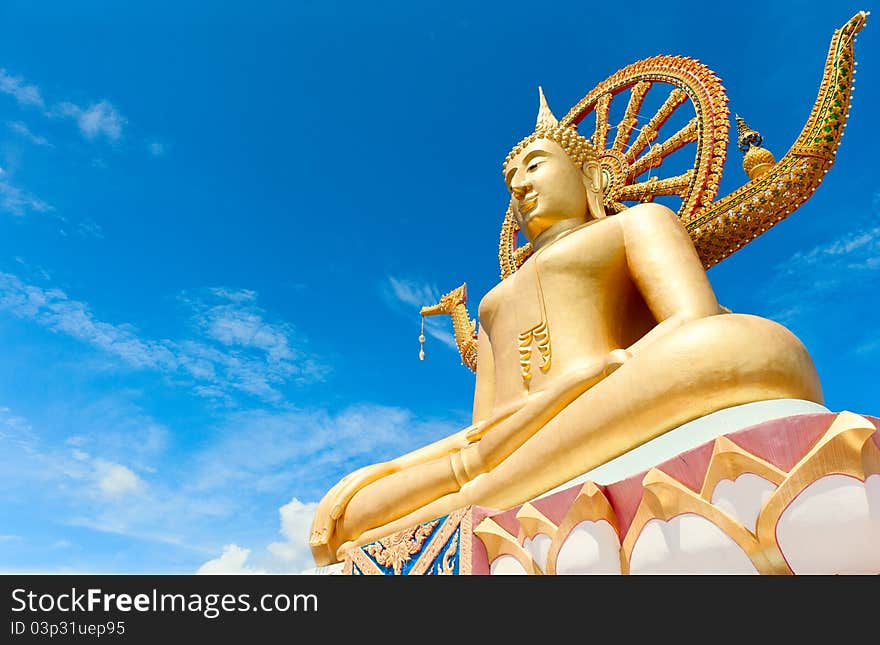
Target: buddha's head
{"x": 553, "y": 175}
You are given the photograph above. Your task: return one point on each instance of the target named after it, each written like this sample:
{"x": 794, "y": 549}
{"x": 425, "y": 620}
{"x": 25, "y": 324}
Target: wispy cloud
{"x": 239, "y": 350}
{"x": 90, "y": 228}
{"x": 309, "y": 450}
{"x": 97, "y": 491}
{"x": 27, "y": 458}
{"x": 25, "y": 94}
{"x": 25, "y": 132}
{"x": 869, "y": 348}
{"x": 813, "y": 281}
{"x": 232, "y": 319}
{"x": 117, "y": 475}
{"x": 156, "y": 149}
{"x": 305, "y": 452}
{"x": 857, "y": 251}
{"x": 96, "y": 120}
{"x": 99, "y": 119}
{"x": 407, "y": 297}
{"x": 18, "y": 201}
{"x": 52, "y": 309}
{"x": 413, "y": 293}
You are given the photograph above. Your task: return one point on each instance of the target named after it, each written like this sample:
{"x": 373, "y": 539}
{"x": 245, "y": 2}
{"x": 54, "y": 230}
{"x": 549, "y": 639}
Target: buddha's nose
{"x": 518, "y": 190}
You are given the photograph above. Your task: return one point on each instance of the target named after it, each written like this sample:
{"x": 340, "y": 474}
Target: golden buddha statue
{"x": 630, "y": 340}
{"x": 605, "y": 335}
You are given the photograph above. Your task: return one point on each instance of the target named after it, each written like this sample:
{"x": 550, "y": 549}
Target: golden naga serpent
{"x": 632, "y": 167}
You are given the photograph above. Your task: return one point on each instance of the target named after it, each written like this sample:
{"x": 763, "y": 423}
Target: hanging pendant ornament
{"x": 422, "y": 341}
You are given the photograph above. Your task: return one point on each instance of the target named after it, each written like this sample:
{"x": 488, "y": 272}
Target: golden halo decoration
{"x": 633, "y": 151}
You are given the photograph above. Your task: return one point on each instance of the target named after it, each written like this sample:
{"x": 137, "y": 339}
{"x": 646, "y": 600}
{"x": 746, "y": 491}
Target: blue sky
{"x": 218, "y": 222}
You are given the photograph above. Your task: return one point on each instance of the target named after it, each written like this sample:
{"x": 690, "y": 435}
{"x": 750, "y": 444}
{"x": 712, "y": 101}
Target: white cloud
{"x": 234, "y": 295}
{"x": 232, "y": 323}
{"x": 231, "y": 561}
{"x": 26, "y": 95}
{"x": 95, "y": 477}
{"x": 309, "y": 450}
{"x": 90, "y": 228}
{"x": 253, "y": 357}
{"x": 21, "y": 129}
{"x": 852, "y": 251}
{"x": 17, "y": 201}
{"x": 54, "y": 310}
{"x": 869, "y": 347}
{"x": 803, "y": 289}
{"x": 413, "y": 293}
{"x": 97, "y": 120}
{"x": 293, "y": 555}
{"x": 115, "y": 480}
{"x": 156, "y": 149}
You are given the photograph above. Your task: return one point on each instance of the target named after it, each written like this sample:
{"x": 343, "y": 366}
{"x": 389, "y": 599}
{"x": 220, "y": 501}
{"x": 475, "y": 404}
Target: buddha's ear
{"x": 594, "y": 182}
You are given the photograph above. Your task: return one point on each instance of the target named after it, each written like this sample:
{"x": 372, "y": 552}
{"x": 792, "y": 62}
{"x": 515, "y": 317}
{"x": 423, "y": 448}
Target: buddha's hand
{"x": 614, "y": 359}
{"x": 334, "y": 503}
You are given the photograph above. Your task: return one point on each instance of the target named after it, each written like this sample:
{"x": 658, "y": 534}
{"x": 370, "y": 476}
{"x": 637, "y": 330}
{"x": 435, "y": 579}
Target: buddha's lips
{"x": 527, "y": 206}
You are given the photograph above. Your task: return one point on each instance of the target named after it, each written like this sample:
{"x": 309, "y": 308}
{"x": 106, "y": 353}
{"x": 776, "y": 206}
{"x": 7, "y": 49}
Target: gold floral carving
{"x": 398, "y": 549}
{"x": 465, "y": 551}
{"x": 362, "y": 564}
{"x": 446, "y": 566}
{"x": 441, "y": 537}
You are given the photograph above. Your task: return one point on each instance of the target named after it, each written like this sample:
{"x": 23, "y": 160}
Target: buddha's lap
{"x": 663, "y": 387}
{"x": 704, "y": 366}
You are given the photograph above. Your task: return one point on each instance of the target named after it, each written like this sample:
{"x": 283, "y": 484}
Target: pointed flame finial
{"x": 746, "y": 136}
{"x": 757, "y": 160}
{"x": 546, "y": 120}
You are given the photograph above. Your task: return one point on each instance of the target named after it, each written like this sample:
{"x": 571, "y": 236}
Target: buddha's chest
{"x": 581, "y": 271}
{"x": 558, "y": 311}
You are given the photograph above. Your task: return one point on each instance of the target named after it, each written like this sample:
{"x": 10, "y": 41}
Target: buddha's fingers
{"x": 350, "y": 485}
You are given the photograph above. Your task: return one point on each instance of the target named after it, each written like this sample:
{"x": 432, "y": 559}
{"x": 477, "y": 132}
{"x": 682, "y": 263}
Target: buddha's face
{"x": 546, "y": 187}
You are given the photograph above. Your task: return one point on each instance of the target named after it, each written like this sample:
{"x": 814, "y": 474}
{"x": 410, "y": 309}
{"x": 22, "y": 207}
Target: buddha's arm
{"x": 484, "y": 388}
{"x": 666, "y": 269}
{"x": 336, "y": 499}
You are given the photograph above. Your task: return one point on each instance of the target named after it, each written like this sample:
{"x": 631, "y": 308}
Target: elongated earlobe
{"x": 594, "y": 184}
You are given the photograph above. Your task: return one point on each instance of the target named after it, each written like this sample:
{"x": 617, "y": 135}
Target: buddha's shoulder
{"x": 495, "y": 295}
{"x": 650, "y": 214}
{"x": 610, "y": 233}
